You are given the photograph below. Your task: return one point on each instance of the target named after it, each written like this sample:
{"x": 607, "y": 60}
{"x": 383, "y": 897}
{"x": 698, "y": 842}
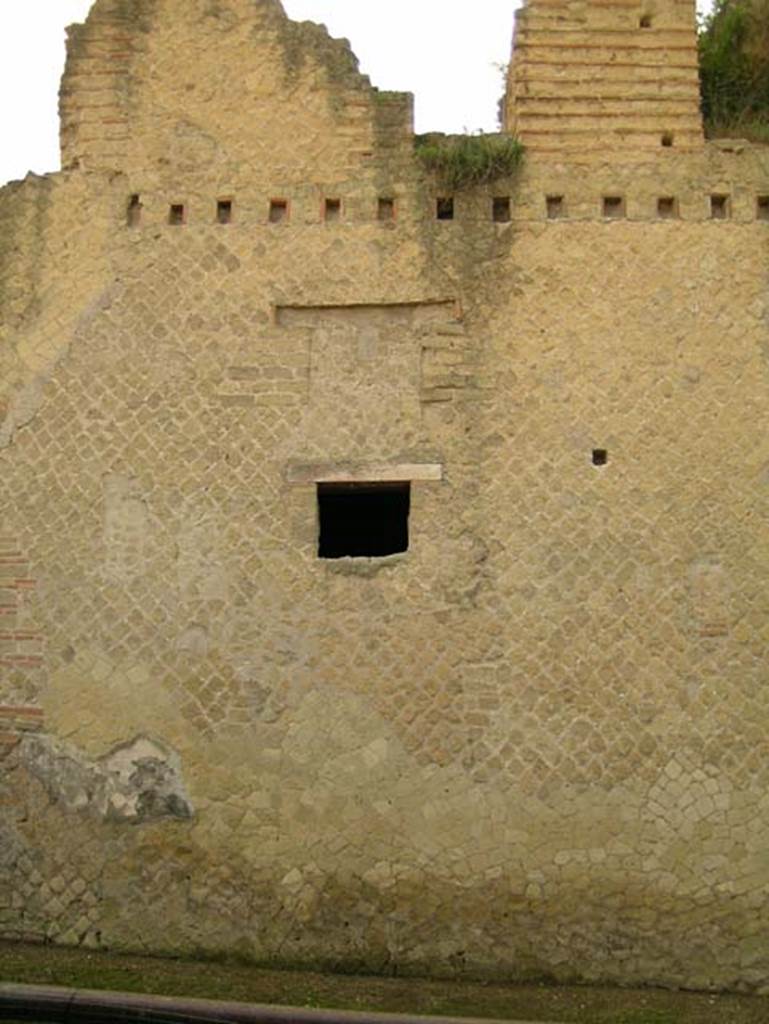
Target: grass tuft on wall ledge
{"x": 464, "y": 161}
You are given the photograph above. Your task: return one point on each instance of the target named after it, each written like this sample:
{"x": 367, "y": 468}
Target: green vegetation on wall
{"x": 734, "y": 69}
{"x": 463, "y": 161}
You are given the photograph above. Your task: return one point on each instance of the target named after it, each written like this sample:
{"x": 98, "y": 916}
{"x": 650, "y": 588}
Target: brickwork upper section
{"x": 190, "y": 85}
{"x": 612, "y": 75}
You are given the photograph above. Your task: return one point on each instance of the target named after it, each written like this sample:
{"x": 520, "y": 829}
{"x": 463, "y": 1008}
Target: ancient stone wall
{"x": 614, "y": 77}
{"x": 533, "y": 742}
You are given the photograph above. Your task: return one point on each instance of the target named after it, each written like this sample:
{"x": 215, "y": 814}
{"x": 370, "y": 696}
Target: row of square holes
{"x": 612, "y": 207}
{"x": 332, "y": 210}
{"x": 667, "y": 207}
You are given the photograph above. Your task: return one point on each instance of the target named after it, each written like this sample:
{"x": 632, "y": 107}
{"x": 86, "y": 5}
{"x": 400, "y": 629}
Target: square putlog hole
{"x": 332, "y": 210}
{"x": 176, "y": 214}
{"x": 444, "y": 208}
{"x": 667, "y": 208}
{"x": 278, "y": 211}
{"x": 224, "y": 211}
{"x": 555, "y": 207}
{"x": 363, "y": 520}
{"x": 762, "y": 208}
{"x": 385, "y": 208}
{"x": 134, "y": 212}
{"x": 613, "y": 207}
{"x": 719, "y": 207}
{"x": 500, "y": 209}
{"x": 600, "y": 456}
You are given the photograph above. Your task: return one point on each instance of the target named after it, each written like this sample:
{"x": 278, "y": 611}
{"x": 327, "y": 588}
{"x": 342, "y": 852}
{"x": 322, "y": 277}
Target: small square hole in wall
{"x": 278, "y": 211}
{"x": 134, "y": 212}
{"x": 385, "y": 208}
{"x": 613, "y": 206}
{"x": 667, "y": 139}
{"x": 500, "y": 209}
{"x": 332, "y": 210}
{"x": 363, "y": 520}
{"x": 600, "y": 456}
{"x": 762, "y": 208}
{"x": 645, "y": 21}
{"x": 176, "y": 214}
{"x": 667, "y": 208}
{"x": 719, "y": 207}
{"x": 444, "y": 208}
{"x": 224, "y": 211}
{"x": 555, "y": 207}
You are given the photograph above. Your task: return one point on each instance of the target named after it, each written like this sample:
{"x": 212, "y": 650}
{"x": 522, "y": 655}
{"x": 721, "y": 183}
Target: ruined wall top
{"x": 213, "y": 85}
{"x": 613, "y": 76}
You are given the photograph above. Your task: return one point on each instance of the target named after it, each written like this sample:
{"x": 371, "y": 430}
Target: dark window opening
{"x": 500, "y": 209}
{"x": 646, "y": 21}
{"x": 719, "y": 207}
{"x": 667, "y": 208}
{"x": 600, "y": 456}
{"x": 363, "y": 520}
{"x": 332, "y": 209}
{"x": 224, "y": 211}
{"x": 176, "y": 214}
{"x": 667, "y": 139}
{"x": 554, "y": 206}
{"x": 762, "y": 208}
{"x": 278, "y": 210}
{"x": 386, "y": 209}
{"x": 134, "y": 212}
{"x": 613, "y": 206}
{"x": 444, "y": 208}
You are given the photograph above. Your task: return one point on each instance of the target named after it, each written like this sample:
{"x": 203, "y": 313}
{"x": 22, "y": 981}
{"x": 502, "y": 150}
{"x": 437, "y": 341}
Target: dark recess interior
{"x": 365, "y": 520}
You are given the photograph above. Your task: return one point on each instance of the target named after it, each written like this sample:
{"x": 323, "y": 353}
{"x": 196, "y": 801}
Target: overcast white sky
{"x": 447, "y": 52}
{"x": 444, "y": 51}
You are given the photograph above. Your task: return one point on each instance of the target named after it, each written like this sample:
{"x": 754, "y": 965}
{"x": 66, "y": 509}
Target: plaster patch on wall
{"x": 22, "y": 409}
{"x": 710, "y": 593}
{"x": 200, "y": 574}
{"x": 194, "y": 641}
{"x": 127, "y": 526}
{"x": 136, "y": 782}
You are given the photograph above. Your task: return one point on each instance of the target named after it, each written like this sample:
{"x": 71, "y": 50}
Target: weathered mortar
{"x": 533, "y": 743}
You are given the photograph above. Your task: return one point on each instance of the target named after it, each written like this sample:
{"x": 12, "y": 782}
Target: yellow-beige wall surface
{"x": 536, "y": 742}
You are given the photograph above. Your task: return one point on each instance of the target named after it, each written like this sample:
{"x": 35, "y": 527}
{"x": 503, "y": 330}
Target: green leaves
{"x": 734, "y": 68}
{"x": 463, "y": 161}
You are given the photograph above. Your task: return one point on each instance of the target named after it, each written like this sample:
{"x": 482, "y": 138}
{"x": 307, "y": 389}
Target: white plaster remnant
{"x": 136, "y": 782}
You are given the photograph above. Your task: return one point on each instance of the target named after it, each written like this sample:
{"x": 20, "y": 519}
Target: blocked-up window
{"x": 363, "y": 520}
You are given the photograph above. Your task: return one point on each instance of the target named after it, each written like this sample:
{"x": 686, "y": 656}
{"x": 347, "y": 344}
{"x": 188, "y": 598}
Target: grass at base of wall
{"x": 752, "y": 129}
{"x": 74, "y": 968}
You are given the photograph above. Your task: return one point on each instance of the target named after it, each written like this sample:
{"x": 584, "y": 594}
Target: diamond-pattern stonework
{"x": 536, "y": 740}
